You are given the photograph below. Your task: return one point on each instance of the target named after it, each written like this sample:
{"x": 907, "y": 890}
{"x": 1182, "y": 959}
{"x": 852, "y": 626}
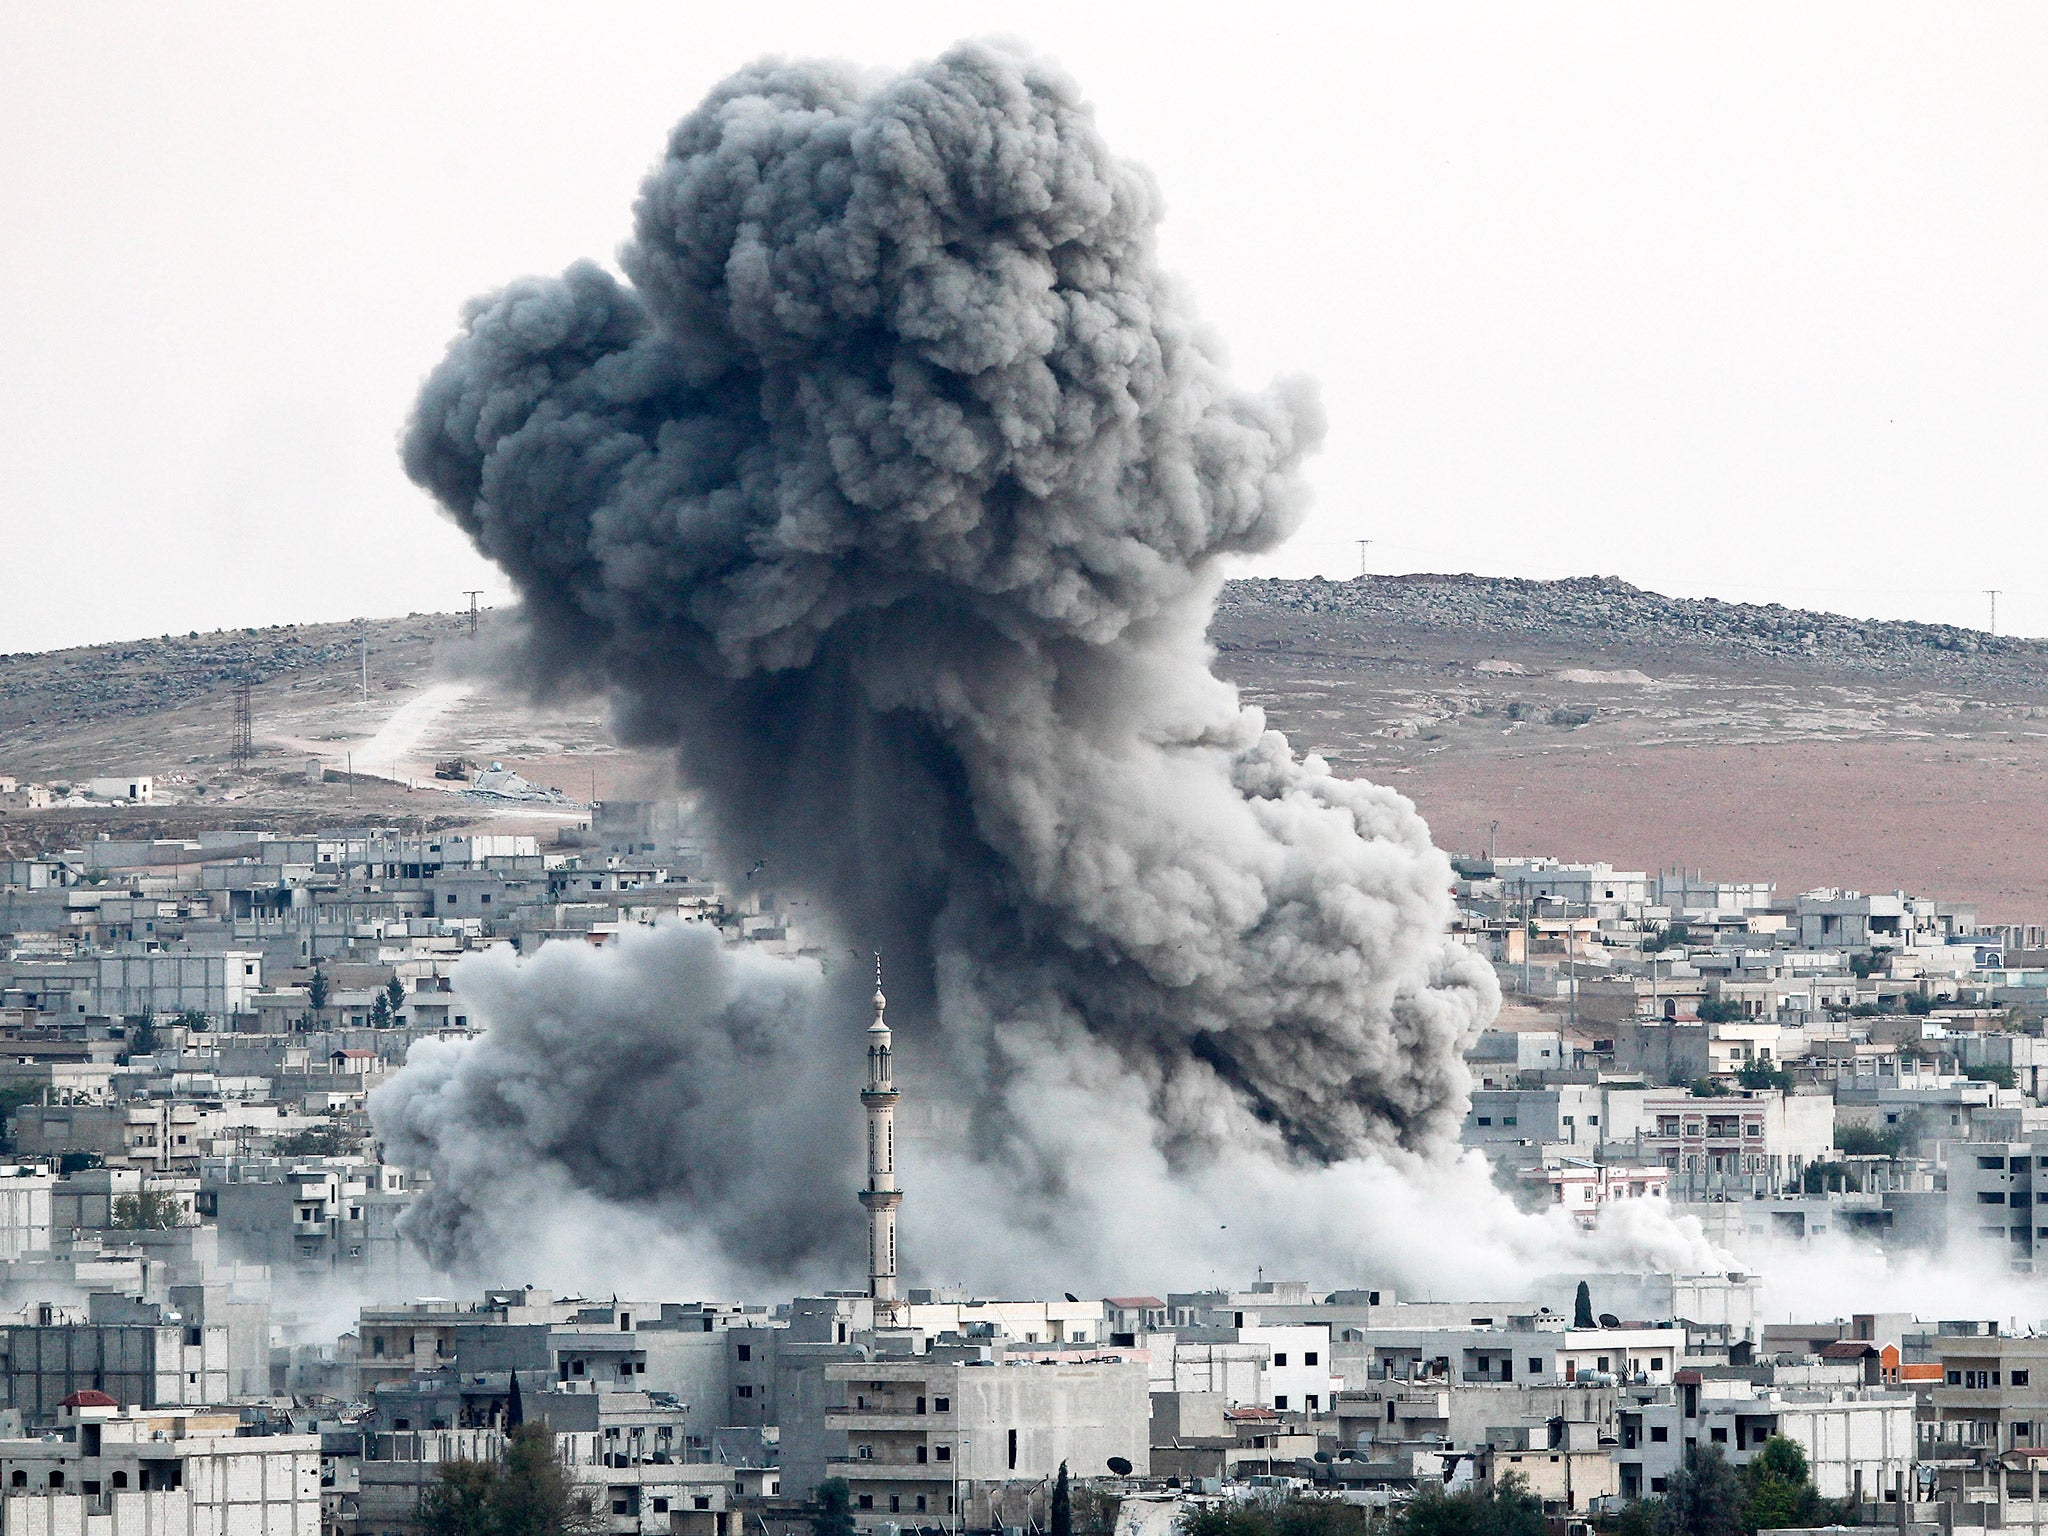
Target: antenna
{"x": 472, "y": 593}
{"x": 242, "y": 748}
{"x": 1992, "y": 593}
{"x": 1361, "y": 555}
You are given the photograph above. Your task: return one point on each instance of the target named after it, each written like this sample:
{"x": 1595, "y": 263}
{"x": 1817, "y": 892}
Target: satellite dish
{"x": 1119, "y": 1466}
{"x": 1609, "y": 1320}
{"x": 1072, "y": 1297}
{"x": 1323, "y": 1457}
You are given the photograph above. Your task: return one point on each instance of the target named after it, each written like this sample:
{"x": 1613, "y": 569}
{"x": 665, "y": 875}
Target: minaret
{"x": 881, "y": 1197}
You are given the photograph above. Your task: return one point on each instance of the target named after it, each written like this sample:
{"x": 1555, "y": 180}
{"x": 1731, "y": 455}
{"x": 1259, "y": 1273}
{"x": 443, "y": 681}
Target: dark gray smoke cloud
{"x": 890, "y": 489}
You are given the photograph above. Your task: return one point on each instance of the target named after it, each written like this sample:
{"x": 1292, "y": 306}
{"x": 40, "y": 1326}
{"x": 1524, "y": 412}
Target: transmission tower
{"x": 473, "y": 595}
{"x": 244, "y": 746}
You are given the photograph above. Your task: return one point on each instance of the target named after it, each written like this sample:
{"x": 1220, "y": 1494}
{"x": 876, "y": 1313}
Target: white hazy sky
{"x": 1742, "y": 300}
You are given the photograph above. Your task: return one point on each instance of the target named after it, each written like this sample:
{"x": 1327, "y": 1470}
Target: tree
{"x": 459, "y": 1503}
{"x": 13, "y": 1097}
{"x": 832, "y": 1509}
{"x": 78, "y": 1162}
{"x": 1818, "y": 1178}
{"x": 380, "y": 1011}
{"x": 1709, "y": 1088}
{"x": 149, "y": 1211}
{"x": 394, "y": 997}
{"x": 316, "y": 989}
{"x": 1704, "y": 1498}
{"x": 1062, "y": 1505}
{"x": 1762, "y": 1074}
{"x": 1714, "y": 1011}
{"x": 526, "y": 1494}
{"x": 141, "y": 1035}
{"x": 194, "y": 1021}
{"x": 1991, "y": 1072}
{"x": 1582, "y": 1306}
{"x": 1505, "y": 1508}
{"x": 537, "y": 1496}
{"x": 319, "y": 1141}
{"x": 1300, "y": 1515}
{"x": 1777, "y": 1492}
{"x": 1867, "y": 1141}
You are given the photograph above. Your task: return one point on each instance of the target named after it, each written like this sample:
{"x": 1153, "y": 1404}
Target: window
{"x": 1486, "y": 1119}
{"x": 1601, "y": 1365}
{"x": 942, "y": 1404}
{"x": 1314, "y": 1402}
{"x": 867, "y": 1501}
{"x": 895, "y": 1503}
{"x": 1280, "y": 1358}
{"x": 745, "y": 1391}
{"x": 2020, "y": 1378}
{"x": 1660, "y": 1432}
{"x": 1656, "y": 1362}
{"x": 1013, "y": 1450}
{"x": 1720, "y": 1435}
{"x": 1510, "y": 1119}
{"x": 1656, "y": 1485}
{"x": 945, "y": 1453}
{"x": 1279, "y": 1402}
{"x": 864, "y": 1453}
{"x": 661, "y": 1506}
{"x": 922, "y": 1454}
{"x": 1991, "y": 1197}
{"x": 120, "y": 1479}
{"x": 1311, "y": 1357}
{"x": 1990, "y": 1162}
{"x": 1535, "y": 1364}
{"x": 746, "y": 1351}
{"x": 920, "y": 1503}
{"x": 20, "y": 1479}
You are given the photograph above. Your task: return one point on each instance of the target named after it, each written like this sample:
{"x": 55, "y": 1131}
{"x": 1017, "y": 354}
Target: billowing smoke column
{"x": 891, "y": 490}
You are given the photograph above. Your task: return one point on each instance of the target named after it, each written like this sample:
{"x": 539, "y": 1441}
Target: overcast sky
{"x": 1735, "y": 300}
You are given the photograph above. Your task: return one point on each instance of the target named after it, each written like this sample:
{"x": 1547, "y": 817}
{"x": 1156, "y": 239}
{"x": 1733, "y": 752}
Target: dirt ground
{"x": 1947, "y": 821}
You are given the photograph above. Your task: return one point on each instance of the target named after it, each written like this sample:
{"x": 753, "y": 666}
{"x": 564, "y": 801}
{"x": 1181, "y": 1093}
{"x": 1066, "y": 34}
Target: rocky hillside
{"x": 1604, "y": 613}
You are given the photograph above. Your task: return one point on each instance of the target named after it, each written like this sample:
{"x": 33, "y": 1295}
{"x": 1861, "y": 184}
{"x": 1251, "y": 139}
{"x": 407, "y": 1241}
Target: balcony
{"x": 857, "y": 1469}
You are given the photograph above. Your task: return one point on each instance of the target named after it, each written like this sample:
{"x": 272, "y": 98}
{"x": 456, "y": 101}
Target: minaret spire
{"x": 881, "y": 1197}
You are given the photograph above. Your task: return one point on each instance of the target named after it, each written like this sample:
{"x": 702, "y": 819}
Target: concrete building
{"x": 125, "y": 1349}
{"x": 918, "y": 1434}
{"x": 109, "y": 1471}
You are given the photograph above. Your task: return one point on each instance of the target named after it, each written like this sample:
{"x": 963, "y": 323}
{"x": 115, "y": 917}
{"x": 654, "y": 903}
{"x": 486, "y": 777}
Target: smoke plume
{"x": 891, "y": 490}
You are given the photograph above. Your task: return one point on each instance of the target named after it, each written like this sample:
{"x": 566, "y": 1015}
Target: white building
{"x": 152, "y": 1474}
{"x": 137, "y": 788}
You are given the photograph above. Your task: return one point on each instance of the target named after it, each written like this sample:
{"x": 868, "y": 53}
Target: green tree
{"x": 149, "y": 1211}
{"x": 1776, "y": 1490}
{"x": 1704, "y": 1498}
{"x": 318, "y": 1141}
{"x": 527, "y": 1493}
{"x": 141, "y": 1035}
{"x": 1638, "y": 1517}
{"x": 193, "y": 1020}
{"x": 1582, "y": 1306}
{"x": 13, "y": 1097}
{"x": 380, "y": 1012}
{"x": 1062, "y": 1505}
{"x": 1505, "y": 1508}
{"x": 78, "y": 1162}
{"x": 316, "y": 989}
{"x": 1867, "y": 1141}
{"x": 459, "y": 1502}
{"x": 1301, "y": 1515}
{"x": 1762, "y": 1074}
{"x": 537, "y": 1496}
{"x": 394, "y": 996}
{"x": 1991, "y": 1072}
{"x": 831, "y": 1509}
{"x": 1818, "y": 1178}
{"x": 1709, "y": 1088}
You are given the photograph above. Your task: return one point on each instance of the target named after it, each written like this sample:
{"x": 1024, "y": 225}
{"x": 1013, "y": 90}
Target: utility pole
{"x": 472, "y": 593}
{"x": 1492, "y": 841}
{"x": 1992, "y": 593}
{"x": 366, "y": 671}
{"x": 243, "y": 748}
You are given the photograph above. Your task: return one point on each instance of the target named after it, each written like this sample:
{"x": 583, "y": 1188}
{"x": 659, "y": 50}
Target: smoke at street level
{"x": 891, "y": 489}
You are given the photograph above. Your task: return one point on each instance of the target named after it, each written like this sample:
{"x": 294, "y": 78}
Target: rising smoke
{"x": 891, "y": 490}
